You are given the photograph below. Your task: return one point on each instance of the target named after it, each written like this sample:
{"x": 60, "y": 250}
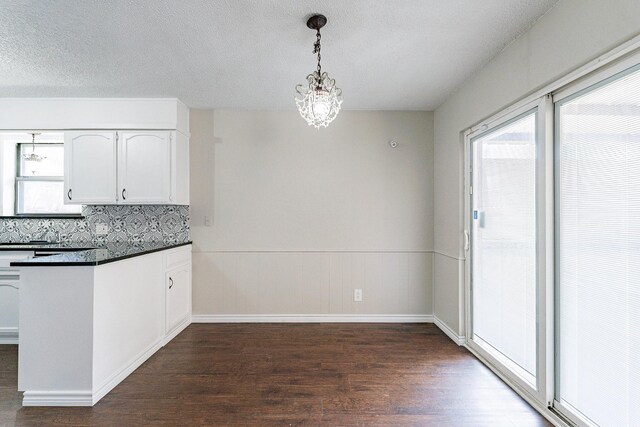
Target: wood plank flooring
{"x": 290, "y": 375}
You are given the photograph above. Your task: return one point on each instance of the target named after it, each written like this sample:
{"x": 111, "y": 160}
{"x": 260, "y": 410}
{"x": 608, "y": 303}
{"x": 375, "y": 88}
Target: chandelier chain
{"x": 316, "y": 49}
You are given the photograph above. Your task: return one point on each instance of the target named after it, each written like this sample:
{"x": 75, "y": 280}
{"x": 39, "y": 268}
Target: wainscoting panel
{"x": 448, "y": 287}
{"x": 312, "y": 283}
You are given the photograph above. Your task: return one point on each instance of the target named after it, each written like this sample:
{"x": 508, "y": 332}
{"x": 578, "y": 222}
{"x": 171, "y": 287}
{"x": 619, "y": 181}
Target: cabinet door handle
{"x": 69, "y": 194}
{"x": 170, "y": 281}
{"x": 124, "y": 194}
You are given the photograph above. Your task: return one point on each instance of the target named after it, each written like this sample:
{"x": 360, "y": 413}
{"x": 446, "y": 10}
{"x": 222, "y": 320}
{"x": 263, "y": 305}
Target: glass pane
{"x": 41, "y": 197}
{"x": 599, "y": 253}
{"x": 51, "y": 165}
{"x": 504, "y": 245}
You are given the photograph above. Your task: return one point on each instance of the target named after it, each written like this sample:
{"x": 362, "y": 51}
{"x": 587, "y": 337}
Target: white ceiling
{"x": 385, "y": 55}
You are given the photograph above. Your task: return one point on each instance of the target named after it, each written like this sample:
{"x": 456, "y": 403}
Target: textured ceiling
{"x": 385, "y": 55}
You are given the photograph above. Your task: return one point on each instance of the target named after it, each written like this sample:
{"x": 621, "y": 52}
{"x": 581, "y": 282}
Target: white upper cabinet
{"x": 90, "y": 167}
{"x": 126, "y": 167}
{"x": 144, "y": 173}
{"x": 180, "y": 169}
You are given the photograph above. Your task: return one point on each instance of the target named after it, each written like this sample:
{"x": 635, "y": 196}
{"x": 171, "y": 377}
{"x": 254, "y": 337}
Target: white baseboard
{"x": 458, "y": 339}
{"x": 312, "y": 318}
{"x": 57, "y": 398}
{"x": 9, "y": 335}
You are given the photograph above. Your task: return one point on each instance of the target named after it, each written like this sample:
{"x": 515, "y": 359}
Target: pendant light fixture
{"x": 31, "y": 160}
{"x": 318, "y": 100}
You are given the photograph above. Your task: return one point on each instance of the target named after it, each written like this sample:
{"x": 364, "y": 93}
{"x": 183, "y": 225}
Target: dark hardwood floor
{"x": 294, "y": 374}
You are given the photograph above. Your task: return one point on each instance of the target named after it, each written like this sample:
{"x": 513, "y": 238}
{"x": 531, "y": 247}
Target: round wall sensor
{"x": 393, "y": 143}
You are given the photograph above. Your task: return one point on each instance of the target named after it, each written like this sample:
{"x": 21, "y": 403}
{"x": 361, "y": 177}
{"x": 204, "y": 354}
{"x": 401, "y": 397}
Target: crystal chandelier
{"x": 31, "y": 160}
{"x": 318, "y": 100}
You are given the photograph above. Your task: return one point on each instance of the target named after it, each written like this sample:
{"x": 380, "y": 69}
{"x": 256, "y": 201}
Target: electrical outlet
{"x": 102, "y": 229}
{"x": 207, "y": 221}
{"x": 357, "y": 295}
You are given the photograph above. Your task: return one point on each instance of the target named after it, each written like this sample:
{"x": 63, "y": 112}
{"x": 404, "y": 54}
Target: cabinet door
{"x": 144, "y": 167}
{"x": 9, "y": 283}
{"x": 90, "y": 168}
{"x": 178, "y": 288}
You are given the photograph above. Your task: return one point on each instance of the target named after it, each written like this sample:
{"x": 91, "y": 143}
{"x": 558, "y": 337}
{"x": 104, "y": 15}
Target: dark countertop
{"x": 47, "y": 247}
{"x": 86, "y": 254}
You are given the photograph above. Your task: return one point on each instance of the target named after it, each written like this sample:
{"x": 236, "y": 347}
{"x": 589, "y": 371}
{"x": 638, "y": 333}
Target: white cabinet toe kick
{"x": 84, "y": 329}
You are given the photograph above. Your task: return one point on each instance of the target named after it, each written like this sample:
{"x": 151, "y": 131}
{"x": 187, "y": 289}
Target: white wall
{"x": 300, "y": 217}
{"x": 571, "y": 34}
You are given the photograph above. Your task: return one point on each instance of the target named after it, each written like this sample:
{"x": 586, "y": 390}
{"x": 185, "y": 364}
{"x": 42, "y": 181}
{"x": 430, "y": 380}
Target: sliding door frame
{"x": 542, "y": 392}
{"x": 590, "y": 83}
{"x": 618, "y": 59}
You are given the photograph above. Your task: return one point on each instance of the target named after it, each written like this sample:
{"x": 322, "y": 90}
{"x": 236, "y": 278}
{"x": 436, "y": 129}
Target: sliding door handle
{"x": 467, "y": 240}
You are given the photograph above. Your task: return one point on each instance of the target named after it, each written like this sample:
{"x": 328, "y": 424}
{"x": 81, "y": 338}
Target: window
{"x": 39, "y": 185}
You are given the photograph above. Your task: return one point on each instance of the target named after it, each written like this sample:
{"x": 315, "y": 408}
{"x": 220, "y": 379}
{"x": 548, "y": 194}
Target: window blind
{"x": 598, "y": 243}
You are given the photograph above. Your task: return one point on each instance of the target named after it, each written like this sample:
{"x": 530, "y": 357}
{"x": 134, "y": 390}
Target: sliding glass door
{"x": 503, "y": 245}
{"x": 552, "y": 292}
{"x": 598, "y": 252}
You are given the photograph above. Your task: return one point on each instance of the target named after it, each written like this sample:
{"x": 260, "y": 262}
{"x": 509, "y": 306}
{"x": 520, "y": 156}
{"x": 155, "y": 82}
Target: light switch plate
{"x": 102, "y": 229}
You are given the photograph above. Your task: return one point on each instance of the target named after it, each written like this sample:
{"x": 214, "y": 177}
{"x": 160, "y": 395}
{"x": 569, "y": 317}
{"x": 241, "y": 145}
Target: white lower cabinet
{"x": 10, "y": 295}
{"x": 9, "y": 288}
{"x": 178, "y": 291}
{"x": 108, "y": 319}
{"x": 177, "y": 285}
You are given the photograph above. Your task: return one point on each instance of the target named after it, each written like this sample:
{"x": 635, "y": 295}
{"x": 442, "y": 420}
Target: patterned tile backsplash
{"x": 144, "y": 223}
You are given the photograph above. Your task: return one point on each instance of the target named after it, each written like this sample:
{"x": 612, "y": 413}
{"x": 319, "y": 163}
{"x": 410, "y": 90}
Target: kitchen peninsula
{"x": 90, "y": 317}
{"x": 87, "y": 312}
